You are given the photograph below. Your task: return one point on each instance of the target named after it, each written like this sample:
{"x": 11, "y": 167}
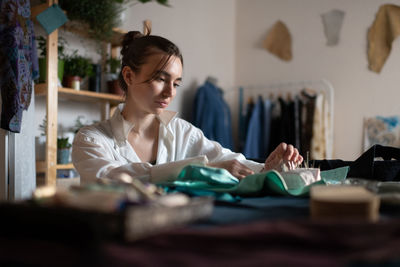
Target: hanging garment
{"x": 308, "y": 109}
{"x": 297, "y": 122}
{"x": 242, "y": 122}
{"x": 212, "y": 114}
{"x": 18, "y": 61}
{"x": 321, "y": 146}
{"x": 275, "y": 125}
{"x": 254, "y": 145}
{"x": 266, "y": 135}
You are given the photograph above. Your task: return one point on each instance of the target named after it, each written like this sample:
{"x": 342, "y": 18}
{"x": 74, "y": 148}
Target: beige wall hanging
{"x": 381, "y": 35}
{"x": 279, "y": 41}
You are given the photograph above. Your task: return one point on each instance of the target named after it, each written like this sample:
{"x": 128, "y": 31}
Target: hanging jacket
{"x": 212, "y": 115}
{"x": 254, "y": 145}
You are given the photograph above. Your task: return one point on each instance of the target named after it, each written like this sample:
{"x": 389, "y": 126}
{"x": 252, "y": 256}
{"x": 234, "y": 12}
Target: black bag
{"x": 366, "y": 166}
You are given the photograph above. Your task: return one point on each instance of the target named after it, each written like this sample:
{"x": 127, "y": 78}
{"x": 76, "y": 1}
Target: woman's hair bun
{"x": 128, "y": 39}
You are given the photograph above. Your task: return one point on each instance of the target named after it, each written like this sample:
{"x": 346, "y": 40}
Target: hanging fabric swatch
{"x": 19, "y": 62}
{"x": 332, "y": 22}
{"x": 381, "y": 35}
{"x": 52, "y": 18}
{"x": 279, "y": 41}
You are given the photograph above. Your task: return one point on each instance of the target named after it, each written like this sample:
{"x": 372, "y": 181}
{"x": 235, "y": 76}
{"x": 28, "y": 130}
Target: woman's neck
{"x": 142, "y": 122}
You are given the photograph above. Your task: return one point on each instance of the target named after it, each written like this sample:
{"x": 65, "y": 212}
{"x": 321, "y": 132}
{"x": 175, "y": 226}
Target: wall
{"x": 203, "y": 30}
{"x": 358, "y": 92}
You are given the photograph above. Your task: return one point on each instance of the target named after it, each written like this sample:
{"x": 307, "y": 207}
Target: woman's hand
{"x": 283, "y": 154}
{"x": 236, "y": 168}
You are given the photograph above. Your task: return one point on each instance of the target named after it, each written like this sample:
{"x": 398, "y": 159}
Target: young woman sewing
{"x": 142, "y": 138}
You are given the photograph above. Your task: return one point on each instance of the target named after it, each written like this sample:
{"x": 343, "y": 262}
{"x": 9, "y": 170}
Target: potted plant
{"x": 113, "y": 65}
{"x": 76, "y": 68}
{"x": 42, "y": 59}
{"x": 63, "y": 150}
{"x": 101, "y": 16}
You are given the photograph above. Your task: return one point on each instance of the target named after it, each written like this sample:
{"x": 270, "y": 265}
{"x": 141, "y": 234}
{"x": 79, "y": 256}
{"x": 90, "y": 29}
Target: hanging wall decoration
{"x": 332, "y": 22}
{"x": 279, "y": 41}
{"x": 381, "y": 35}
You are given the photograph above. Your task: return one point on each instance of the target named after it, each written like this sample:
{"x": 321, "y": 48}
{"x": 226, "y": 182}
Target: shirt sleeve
{"x": 93, "y": 157}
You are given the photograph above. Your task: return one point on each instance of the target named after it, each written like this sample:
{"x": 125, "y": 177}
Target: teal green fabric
{"x": 221, "y": 181}
{"x": 52, "y": 18}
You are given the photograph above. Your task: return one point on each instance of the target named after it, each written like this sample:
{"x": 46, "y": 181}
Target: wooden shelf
{"x": 47, "y": 170}
{"x": 82, "y": 95}
{"x": 41, "y": 166}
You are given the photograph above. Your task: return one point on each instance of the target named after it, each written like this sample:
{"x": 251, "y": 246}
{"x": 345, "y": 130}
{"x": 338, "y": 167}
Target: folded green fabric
{"x": 260, "y": 184}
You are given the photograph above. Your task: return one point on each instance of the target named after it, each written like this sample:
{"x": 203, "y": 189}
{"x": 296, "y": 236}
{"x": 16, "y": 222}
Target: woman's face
{"x": 152, "y": 97}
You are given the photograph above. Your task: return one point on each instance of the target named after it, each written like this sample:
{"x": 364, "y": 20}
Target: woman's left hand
{"x": 283, "y": 154}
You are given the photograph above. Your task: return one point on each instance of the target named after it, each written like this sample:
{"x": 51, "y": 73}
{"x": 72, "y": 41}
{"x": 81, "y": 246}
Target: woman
{"x": 147, "y": 141}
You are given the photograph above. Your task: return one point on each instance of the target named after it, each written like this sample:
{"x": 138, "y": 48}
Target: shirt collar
{"x": 121, "y": 127}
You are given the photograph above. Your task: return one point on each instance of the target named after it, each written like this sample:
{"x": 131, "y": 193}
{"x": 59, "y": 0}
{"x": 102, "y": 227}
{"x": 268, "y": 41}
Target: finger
{"x": 246, "y": 172}
{"x": 240, "y": 176}
{"x": 289, "y": 153}
{"x": 299, "y": 159}
{"x": 281, "y": 148}
{"x": 294, "y": 155}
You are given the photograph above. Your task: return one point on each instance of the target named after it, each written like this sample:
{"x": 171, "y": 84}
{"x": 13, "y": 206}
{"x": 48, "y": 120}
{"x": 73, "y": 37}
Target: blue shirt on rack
{"x": 212, "y": 115}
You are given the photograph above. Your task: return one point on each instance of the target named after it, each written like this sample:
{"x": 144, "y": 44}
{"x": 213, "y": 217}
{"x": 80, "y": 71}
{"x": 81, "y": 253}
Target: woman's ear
{"x": 128, "y": 75}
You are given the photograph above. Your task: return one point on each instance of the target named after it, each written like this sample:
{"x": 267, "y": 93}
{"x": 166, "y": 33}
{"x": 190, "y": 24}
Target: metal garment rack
{"x": 283, "y": 88}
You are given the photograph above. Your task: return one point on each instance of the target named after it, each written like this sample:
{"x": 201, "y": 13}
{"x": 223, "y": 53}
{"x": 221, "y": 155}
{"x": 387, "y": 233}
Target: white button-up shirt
{"x": 103, "y": 150}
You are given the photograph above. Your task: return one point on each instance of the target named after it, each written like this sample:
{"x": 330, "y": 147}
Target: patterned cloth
{"x": 18, "y": 61}
{"x": 382, "y": 131}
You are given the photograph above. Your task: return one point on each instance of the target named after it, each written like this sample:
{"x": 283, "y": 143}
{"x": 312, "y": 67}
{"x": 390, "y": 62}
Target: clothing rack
{"x": 292, "y": 88}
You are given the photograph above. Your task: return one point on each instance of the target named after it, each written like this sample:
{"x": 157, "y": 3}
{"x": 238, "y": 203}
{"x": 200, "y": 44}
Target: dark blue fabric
{"x": 212, "y": 114}
{"x": 267, "y": 128}
{"x": 254, "y": 145}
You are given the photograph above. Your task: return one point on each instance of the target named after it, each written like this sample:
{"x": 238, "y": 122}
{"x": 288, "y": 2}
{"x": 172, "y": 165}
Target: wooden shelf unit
{"x": 81, "y": 95}
{"x": 53, "y": 93}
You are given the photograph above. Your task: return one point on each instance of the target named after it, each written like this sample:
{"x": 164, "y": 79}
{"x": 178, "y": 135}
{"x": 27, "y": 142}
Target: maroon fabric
{"x": 283, "y": 243}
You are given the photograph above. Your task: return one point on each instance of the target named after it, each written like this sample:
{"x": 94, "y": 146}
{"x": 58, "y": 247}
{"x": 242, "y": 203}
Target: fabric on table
{"x": 261, "y": 184}
{"x": 367, "y": 167}
{"x": 19, "y": 63}
{"x": 267, "y": 243}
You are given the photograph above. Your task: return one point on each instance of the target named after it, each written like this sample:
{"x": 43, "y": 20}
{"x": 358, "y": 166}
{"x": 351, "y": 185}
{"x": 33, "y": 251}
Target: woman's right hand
{"x": 233, "y": 166}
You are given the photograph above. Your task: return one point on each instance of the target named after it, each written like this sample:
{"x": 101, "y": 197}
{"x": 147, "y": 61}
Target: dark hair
{"x": 137, "y": 47}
